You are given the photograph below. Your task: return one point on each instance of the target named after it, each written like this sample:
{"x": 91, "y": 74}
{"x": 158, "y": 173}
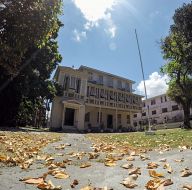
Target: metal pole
{"x": 143, "y": 76}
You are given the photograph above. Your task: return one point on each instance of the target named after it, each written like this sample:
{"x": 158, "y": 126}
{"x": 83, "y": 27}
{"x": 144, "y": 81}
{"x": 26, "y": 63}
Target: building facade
{"x": 93, "y": 99}
{"x": 161, "y": 110}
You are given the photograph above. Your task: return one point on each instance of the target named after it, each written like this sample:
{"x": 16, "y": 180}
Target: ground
{"x": 95, "y": 161}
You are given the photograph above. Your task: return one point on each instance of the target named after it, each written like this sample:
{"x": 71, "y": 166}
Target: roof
{"x": 105, "y": 73}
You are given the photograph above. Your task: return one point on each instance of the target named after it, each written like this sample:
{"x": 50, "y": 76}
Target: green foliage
{"x": 23, "y": 24}
{"x": 177, "y": 50}
{"x": 29, "y": 54}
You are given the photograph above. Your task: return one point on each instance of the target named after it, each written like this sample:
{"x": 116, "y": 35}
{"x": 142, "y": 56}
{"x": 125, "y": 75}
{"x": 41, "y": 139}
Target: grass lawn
{"x": 171, "y": 138}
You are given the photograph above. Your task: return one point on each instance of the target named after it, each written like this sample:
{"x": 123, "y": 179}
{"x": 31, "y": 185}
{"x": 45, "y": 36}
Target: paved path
{"x": 98, "y": 174}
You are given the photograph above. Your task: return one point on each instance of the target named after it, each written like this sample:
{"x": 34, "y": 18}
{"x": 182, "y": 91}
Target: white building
{"x": 161, "y": 109}
{"x": 93, "y": 99}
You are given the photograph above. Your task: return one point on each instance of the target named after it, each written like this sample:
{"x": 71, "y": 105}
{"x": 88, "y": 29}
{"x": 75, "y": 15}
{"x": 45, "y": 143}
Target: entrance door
{"x": 69, "y": 116}
{"x": 110, "y": 121}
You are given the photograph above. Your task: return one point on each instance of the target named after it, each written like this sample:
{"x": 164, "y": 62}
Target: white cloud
{"x": 78, "y": 36}
{"x": 155, "y": 85}
{"x": 95, "y": 11}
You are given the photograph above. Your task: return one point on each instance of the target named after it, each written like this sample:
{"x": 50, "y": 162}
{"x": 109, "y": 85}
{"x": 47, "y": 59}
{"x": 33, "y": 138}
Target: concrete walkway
{"x": 97, "y": 174}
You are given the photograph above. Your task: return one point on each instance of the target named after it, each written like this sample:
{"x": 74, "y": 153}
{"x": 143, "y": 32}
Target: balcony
{"x": 73, "y": 95}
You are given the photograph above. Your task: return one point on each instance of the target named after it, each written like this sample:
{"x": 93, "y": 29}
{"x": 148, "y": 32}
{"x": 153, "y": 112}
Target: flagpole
{"x": 142, "y": 70}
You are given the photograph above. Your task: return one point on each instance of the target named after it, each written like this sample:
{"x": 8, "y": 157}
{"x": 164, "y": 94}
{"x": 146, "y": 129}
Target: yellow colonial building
{"x": 93, "y": 99}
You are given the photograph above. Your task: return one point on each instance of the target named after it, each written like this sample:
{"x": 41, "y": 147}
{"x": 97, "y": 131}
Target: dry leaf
{"x": 163, "y": 160}
{"x": 110, "y": 163}
{"x": 154, "y": 183}
{"x": 130, "y": 158}
{"x": 186, "y": 172}
{"x": 61, "y": 175}
{"x": 187, "y": 187}
{"x": 154, "y": 174}
{"x": 33, "y": 180}
{"x": 85, "y": 165}
{"x": 152, "y": 165}
{"x": 135, "y": 171}
{"x": 167, "y": 182}
{"x": 127, "y": 166}
{"x": 168, "y": 168}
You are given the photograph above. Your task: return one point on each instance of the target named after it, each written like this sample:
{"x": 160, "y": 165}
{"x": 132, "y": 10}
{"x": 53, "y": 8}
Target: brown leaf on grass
{"x": 60, "y": 147}
{"x": 127, "y": 166}
{"x": 168, "y": 168}
{"x": 49, "y": 159}
{"x": 135, "y": 171}
{"x": 187, "y": 187}
{"x": 61, "y": 175}
{"x": 152, "y": 165}
{"x": 154, "y": 174}
{"x": 74, "y": 183}
{"x": 85, "y": 165}
{"x": 186, "y": 172}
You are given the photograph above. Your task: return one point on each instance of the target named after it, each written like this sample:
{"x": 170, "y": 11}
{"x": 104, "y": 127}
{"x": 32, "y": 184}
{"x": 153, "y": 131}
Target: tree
{"x": 23, "y": 24}
{"x": 29, "y": 54}
{"x": 177, "y": 50}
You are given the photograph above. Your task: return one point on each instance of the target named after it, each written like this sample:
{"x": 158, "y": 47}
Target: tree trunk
{"x": 186, "y": 109}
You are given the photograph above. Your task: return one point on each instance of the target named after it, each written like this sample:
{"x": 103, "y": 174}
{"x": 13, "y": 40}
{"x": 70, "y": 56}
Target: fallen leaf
{"x": 154, "y": 174}
{"x": 152, "y": 165}
{"x": 187, "y": 187}
{"x": 154, "y": 183}
{"x": 110, "y": 163}
{"x": 130, "y": 158}
{"x": 85, "y": 165}
{"x": 163, "y": 160}
{"x": 33, "y": 180}
{"x": 167, "y": 182}
{"x": 186, "y": 172}
{"x": 61, "y": 175}
{"x": 168, "y": 168}
{"x": 127, "y": 166}
{"x": 135, "y": 171}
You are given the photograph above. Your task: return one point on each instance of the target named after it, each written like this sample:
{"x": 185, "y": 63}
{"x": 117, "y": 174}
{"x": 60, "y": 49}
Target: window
{"x": 164, "y": 110}
{"x": 100, "y": 79}
{"x": 78, "y": 85}
{"x": 144, "y": 114}
{"x": 66, "y": 82}
{"x": 88, "y": 93}
{"x": 110, "y": 82}
{"x": 161, "y": 99}
{"x": 102, "y": 93}
{"x": 143, "y": 104}
{"x": 153, "y": 102}
{"x": 175, "y": 107}
{"x": 87, "y": 117}
{"x": 127, "y": 87}
{"x": 135, "y": 115}
{"x": 153, "y": 112}
{"x": 92, "y": 91}
{"x": 119, "y": 84}
{"x": 73, "y": 83}
{"x": 165, "y": 98}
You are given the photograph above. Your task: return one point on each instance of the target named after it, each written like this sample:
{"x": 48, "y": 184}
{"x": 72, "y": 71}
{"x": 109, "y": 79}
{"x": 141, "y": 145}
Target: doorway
{"x": 110, "y": 121}
{"x": 69, "y": 116}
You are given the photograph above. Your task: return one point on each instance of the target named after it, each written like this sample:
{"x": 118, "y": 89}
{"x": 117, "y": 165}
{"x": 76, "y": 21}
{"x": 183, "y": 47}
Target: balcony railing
{"x": 73, "y": 95}
{"x": 112, "y": 103}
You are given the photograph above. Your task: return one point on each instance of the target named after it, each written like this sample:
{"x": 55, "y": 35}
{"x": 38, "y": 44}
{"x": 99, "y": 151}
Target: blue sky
{"x": 100, "y": 34}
